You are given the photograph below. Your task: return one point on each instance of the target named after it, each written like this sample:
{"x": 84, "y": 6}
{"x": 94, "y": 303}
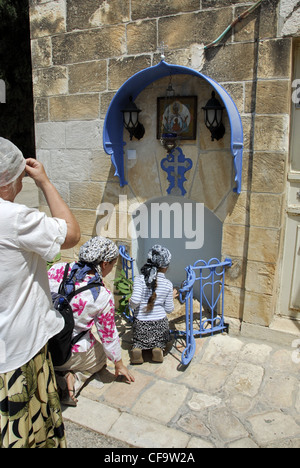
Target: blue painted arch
{"x": 113, "y": 126}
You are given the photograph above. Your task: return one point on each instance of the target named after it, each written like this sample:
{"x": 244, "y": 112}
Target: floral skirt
{"x": 30, "y": 412}
{"x": 151, "y": 334}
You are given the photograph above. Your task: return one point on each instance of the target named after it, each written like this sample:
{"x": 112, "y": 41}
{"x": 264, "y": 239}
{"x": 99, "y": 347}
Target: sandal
{"x": 68, "y": 398}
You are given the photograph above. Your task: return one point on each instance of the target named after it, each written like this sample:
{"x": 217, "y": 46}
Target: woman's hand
{"x": 36, "y": 171}
{"x": 120, "y": 369}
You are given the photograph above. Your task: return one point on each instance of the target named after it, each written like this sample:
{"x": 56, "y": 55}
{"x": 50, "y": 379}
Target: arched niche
{"x": 113, "y": 126}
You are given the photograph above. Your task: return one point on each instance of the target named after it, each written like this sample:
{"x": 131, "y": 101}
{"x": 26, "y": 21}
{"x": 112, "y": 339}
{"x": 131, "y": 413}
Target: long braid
{"x": 152, "y": 298}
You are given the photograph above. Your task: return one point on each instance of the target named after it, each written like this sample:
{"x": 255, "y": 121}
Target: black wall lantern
{"x": 213, "y": 118}
{"x": 131, "y": 120}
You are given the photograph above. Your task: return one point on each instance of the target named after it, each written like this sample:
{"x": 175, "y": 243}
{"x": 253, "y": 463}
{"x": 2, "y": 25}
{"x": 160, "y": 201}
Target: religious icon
{"x": 177, "y": 114}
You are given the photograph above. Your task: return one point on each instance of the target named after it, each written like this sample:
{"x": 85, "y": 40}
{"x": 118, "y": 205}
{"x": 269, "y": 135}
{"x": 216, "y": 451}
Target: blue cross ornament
{"x": 176, "y": 165}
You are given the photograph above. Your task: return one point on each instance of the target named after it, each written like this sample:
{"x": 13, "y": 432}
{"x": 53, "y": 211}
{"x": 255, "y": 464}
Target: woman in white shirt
{"x": 30, "y": 414}
{"x": 94, "y": 307}
{"x": 152, "y": 299}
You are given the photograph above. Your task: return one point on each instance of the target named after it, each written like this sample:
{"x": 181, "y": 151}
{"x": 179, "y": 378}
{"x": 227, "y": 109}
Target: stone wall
{"x": 289, "y": 18}
{"x": 84, "y": 50}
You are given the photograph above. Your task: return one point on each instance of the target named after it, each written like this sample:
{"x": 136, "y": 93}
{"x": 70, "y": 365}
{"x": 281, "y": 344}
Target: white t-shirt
{"x": 28, "y": 239}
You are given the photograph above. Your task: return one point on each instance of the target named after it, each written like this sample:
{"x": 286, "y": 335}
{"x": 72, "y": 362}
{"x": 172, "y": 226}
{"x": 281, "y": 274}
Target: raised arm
{"x": 58, "y": 208}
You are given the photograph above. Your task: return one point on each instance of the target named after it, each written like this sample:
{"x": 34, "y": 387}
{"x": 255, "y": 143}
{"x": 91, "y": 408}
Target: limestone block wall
{"x": 84, "y": 50}
{"x": 289, "y": 18}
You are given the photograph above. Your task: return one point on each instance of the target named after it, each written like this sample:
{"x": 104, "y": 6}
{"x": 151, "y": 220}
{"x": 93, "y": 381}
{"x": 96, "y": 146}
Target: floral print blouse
{"x": 88, "y": 312}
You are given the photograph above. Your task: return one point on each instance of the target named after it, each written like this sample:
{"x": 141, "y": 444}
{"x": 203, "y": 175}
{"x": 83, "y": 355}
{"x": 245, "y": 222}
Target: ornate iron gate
{"x": 211, "y": 278}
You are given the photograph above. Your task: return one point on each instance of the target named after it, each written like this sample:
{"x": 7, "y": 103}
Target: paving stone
{"x": 279, "y": 391}
{"x": 246, "y": 379}
{"x": 243, "y": 443}
{"x": 92, "y": 414}
{"x": 222, "y": 351}
{"x": 169, "y": 369}
{"x": 297, "y": 405}
{"x": 272, "y": 426}
{"x": 285, "y": 444}
{"x": 227, "y": 425}
{"x": 282, "y": 360}
{"x": 240, "y": 403}
{"x": 196, "y": 442}
{"x": 201, "y": 401}
{"x": 256, "y": 353}
{"x": 122, "y": 395}
{"x": 234, "y": 404}
{"x": 207, "y": 378}
{"x": 192, "y": 424}
{"x": 161, "y": 401}
{"x": 143, "y": 433}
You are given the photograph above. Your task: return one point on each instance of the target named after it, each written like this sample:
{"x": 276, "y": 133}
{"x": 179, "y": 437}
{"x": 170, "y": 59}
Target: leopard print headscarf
{"x": 97, "y": 250}
{"x": 158, "y": 257}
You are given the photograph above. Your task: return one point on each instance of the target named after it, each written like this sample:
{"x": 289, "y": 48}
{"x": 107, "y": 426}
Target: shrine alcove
{"x": 113, "y": 140}
{"x": 210, "y": 172}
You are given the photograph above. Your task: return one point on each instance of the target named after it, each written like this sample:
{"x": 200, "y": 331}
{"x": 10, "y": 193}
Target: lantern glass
{"x": 134, "y": 118}
{"x": 219, "y": 115}
{"x": 213, "y": 112}
{"x": 131, "y": 120}
{"x": 211, "y": 117}
{"x": 127, "y": 116}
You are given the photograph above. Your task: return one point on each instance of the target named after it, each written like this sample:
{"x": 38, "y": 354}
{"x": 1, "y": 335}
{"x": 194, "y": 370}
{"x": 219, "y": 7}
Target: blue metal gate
{"x": 211, "y": 278}
{"x": 127, "y": 262}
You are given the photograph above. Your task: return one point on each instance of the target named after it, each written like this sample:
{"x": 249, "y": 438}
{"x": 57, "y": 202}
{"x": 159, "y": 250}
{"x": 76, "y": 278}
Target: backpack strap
{"x": 80, "y": 290}
{"x": 78, "y": 337}
{"x": 70, "y": 297}
{"x": 62, "y": 284}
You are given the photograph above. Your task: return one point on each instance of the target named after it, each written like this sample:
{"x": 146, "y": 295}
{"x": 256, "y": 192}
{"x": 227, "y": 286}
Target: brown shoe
{"x": 137, "y": 356}
{"x": 157, "y": 355}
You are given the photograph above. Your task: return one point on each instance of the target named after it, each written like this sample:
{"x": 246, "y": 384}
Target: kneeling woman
{"x": 152, "y": 299}
{"x": 91, "y": 307}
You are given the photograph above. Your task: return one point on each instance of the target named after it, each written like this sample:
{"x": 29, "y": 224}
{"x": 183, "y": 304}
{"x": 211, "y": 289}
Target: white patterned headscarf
{"x": 158, "y": 257}
{"x": 97, "y": 250}
{"x": 12, "y": 162}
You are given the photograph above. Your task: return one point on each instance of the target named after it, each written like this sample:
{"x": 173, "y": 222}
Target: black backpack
{"x": 60, "y": 346}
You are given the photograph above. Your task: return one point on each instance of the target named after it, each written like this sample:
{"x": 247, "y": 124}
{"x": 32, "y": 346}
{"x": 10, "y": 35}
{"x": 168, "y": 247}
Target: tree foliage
{"x": 16, "y": 115}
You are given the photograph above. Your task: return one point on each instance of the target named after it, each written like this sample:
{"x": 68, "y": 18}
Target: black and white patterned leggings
{"x": 151, "y": 334}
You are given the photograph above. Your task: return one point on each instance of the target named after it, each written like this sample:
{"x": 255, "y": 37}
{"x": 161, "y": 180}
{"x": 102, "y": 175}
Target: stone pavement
{"x": 236, "y": 393}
